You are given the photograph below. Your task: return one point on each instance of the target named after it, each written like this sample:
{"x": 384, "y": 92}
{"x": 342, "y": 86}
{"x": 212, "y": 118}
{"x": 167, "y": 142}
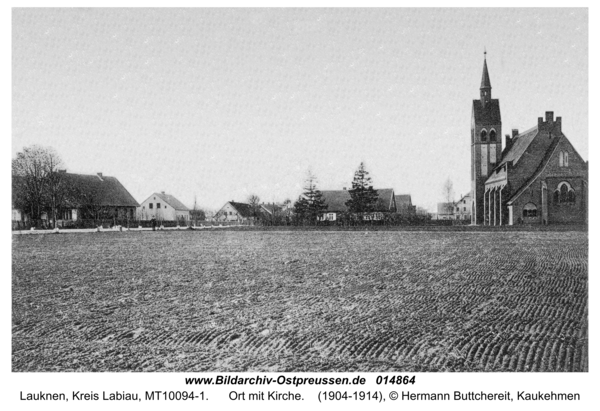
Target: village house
{"x": 163, "y": 207}
{"x": 234, "y": 211}
{"x": 86, "y": 197}
{"x": 336, "y": 204}
{"x": 404, "y": 205}
{"x": 462, "y": 208}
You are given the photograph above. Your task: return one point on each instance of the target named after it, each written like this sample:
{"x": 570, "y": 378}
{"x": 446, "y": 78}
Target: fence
{"x": 112, "y": 222}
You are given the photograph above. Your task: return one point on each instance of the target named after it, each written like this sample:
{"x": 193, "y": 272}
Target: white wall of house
{"x": 154, "y": 206}
{"x": 228, "y": 213}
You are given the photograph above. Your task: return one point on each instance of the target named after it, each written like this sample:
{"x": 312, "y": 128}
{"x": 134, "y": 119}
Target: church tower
{"x": 486, "y": 142}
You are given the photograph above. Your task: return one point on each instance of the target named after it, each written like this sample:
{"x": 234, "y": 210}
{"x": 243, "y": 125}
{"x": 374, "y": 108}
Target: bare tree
{"x": 448, "y": 195}
{"x": 38, "y": 185}
{"x": 197, "y": 213}
{"x": 254, "y": 202}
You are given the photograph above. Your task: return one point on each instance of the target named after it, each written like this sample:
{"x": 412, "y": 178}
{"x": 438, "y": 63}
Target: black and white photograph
{"x": 219, "y": 191}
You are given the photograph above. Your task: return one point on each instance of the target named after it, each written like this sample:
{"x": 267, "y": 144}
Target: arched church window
{"x": 561, "y": 159}
{"x": 564, "y": 192}
{"x": 530, "y": 210}
{"x": 566, "y": 160}
{"x": 483, "y": 135}
{"x": 493, "y": 135}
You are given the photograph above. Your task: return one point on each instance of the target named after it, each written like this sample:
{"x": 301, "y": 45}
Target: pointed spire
{"x": 485, "y": 78}
{"x": 485, "y": 91}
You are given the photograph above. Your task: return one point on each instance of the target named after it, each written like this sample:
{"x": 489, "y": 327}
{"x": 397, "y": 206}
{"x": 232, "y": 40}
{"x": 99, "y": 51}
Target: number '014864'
{"x": 395, "y": 379}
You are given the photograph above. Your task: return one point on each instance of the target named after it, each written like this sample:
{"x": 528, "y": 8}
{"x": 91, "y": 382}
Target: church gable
{"x": 526, "y": 159}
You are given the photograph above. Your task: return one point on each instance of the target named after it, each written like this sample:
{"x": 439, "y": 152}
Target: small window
{"x": 561, "y": 162}
{"x": 493, "y": 135}
{"x": 483, "y": 135}
{"x": 157, "y": 205}
{"x": 530, "y": 210}
{"x": 566, "y": 159}
{"x": 150, "y": 206}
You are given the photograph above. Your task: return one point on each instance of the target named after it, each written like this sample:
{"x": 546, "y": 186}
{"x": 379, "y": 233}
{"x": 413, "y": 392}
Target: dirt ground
{"x": 300, "y": 301}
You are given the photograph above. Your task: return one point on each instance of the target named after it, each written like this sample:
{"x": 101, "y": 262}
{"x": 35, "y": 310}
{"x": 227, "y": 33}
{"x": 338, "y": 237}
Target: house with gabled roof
{"x": 163, "y": 207}
{"x": 335, "y": 200}
{"x": 404, "y": 205}
{"x": 234, "y": 211}
{"x": 86, "y": 196}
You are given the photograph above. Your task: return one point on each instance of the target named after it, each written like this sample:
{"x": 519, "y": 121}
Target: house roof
{"x": 488, "y": 113}
{"x": 465, "y": 197}
{"x": 245, "y": 210}
{"x": 104, "y": 190}
{"x": 519, "y": 146}
{"x": 336, "y": 199}
{"x": 172, "y": 201}
{"x": 271, "y": 208}
{"x": 403, "y": 200}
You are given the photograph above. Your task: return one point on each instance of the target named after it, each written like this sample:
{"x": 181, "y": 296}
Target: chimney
{"x": 549, "y": 116}
{"x": 508, "y": 142}
{"x": 515, "y": 132}
{"x": 162, "y": 192}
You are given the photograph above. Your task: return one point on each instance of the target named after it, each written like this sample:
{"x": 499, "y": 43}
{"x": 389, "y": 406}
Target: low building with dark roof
{"x": 163, "y": 206}
{"x": 234, "y": 211}
{"x": 336, "y": 203}
{"x": 404, "y": 205}
{"x": 86, "y": 196}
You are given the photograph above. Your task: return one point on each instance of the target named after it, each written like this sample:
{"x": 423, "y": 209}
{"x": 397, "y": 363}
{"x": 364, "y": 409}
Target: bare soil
{"x": 300, "y": 301}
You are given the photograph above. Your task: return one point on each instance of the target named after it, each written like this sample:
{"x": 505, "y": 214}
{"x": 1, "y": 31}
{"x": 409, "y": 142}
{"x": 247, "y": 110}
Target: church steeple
{"x": 485, "y": 90}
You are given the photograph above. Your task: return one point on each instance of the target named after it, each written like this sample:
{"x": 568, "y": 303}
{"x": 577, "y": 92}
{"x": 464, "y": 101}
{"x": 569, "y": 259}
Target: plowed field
{"x": 300, "y": 301}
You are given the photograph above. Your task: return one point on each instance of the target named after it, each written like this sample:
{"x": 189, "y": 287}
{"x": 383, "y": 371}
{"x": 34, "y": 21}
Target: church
{"x": 537, "y": 178}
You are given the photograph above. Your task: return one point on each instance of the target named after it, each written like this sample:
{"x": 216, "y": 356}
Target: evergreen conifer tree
{"x": 310, "y": 206}
{"x": 363, "y": 197}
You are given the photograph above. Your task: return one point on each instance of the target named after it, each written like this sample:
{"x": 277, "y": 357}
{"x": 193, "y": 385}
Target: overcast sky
{"x": 222, "y": 103}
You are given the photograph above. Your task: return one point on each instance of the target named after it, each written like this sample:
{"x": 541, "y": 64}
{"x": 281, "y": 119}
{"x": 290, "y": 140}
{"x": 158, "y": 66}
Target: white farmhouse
{"x": 163, "y": 207}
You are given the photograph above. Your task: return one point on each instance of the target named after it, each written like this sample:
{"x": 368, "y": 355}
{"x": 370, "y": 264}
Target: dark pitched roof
{"x": 172, "y": 201}
{"x": 488, "y": 113}
{"x": 245, "y": 210}
{"x": 336, "y": 199}
{"x": 403, "y": 200}
{"x": 519, "y": 146}
{"x": 104, "y": 190}
{"x": 542, "y": 165}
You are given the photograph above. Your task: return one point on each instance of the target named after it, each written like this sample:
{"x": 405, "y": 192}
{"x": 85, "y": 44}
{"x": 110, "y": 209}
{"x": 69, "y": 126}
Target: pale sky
{"x": 222, "y": 103}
